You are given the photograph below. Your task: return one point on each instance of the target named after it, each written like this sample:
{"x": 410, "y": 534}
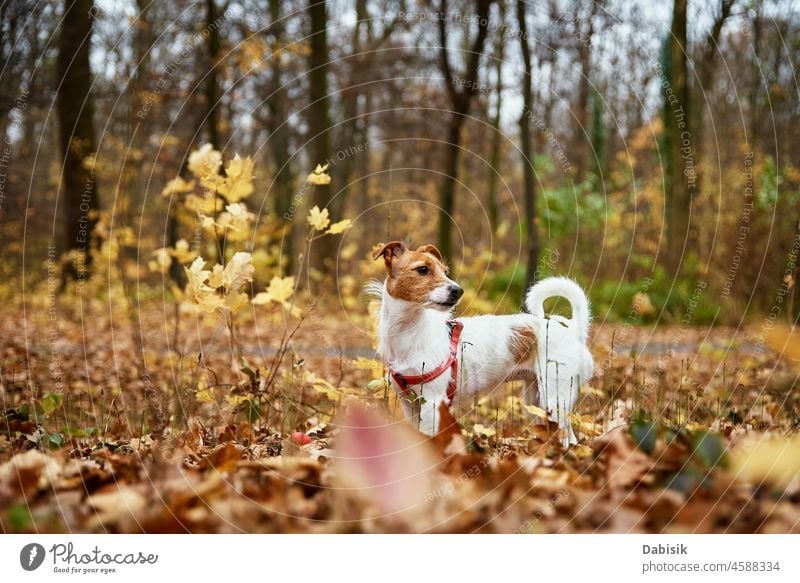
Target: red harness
{"x": 405, "y": 382}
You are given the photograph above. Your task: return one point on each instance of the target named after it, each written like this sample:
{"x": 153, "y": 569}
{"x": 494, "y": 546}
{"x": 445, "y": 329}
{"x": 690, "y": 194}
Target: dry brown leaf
{"x": 625, "y": 464}
{"x": 224, "y": 458}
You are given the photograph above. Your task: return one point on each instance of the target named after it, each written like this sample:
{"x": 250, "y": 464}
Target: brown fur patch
{"x": 522, "y": 343}
{"x": 406, "y": 283}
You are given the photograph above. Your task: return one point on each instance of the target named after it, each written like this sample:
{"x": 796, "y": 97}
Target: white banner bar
{"x": 388, "y": 558}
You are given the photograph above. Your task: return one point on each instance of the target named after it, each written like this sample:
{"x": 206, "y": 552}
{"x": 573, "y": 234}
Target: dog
{"x": 432, "y": 357}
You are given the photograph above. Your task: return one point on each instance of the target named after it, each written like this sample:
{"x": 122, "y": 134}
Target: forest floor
{"x": 682, "y": 430}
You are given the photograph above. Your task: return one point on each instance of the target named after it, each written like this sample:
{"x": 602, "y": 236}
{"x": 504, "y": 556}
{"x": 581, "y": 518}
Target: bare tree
{"x": 280, "y": 131}
{"x": 213, "y": 45}
{"x": 583, "y": 147}
{"x": 494, "y": 156}
{"x": 75, "y": 108}
{"x": 677, "y": 126}
{"x": 705, "y": 77}
{"x": 319, "y": 112}
{"x": 461, "y": 91}
{"x": 529, "y": 180}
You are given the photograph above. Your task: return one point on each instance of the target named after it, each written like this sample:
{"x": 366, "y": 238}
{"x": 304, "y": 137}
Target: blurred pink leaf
{"x": 385, "y": 461}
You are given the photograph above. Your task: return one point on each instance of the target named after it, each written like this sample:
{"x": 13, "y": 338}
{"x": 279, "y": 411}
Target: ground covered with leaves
{"x": 107, "y": 430}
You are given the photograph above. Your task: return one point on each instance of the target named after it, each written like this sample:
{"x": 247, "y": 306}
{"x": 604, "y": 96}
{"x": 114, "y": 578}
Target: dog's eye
{"x": 423, "y": 270}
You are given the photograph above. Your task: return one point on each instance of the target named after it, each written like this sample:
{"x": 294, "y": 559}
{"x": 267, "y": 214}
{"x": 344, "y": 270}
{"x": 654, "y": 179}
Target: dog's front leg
{"x": 429, "y": 413}
{"x": 410, "y": 409}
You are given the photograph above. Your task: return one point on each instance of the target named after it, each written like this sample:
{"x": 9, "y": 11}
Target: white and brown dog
{"x": 432, "y": 356}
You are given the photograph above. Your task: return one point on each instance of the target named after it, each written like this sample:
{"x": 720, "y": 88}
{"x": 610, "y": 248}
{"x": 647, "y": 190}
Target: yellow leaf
{"x": 205, "y": 396}
{"x": 177, "y": 186}
{"x": 236, "y": 301}
{"x": 235, "y": 400}
{"x": 281, "y": 288}
{"x": 319, "y": 176}
{"x": 371, "y": 364}
{"x": 203, "y": 296}
{"x": 587, "y": 390}
{"x": 586, "y": 424}
{"x": 534, "y": 410}
{"x": 479, "y": 429}
{"x": 238, "y": 271}
{"x": 238, "y": 182}
{"x": 785, "y": 341}
{"x": 339, "y": 227}
{"x": 161, "y": 260}
{"x": 182, "y": 251}
{"x": 261, "y": 299}
{"x": 205, "y": 161}
{"x": 215, "y": 279}
{"x": 642, "y": 304}
{"x": 207, "y": 204}
{"x": 775, "y": 460}
{"x": 236, "y": 218}
{"x": 318, "y": 219}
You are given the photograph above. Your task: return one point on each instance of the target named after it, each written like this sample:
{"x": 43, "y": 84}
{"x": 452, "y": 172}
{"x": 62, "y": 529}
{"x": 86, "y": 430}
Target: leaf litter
{"x": 705, "y": 442}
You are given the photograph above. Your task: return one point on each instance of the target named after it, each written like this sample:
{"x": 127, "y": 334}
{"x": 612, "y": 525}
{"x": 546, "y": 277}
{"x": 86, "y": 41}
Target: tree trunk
{"x": 75, "y": 108}
{"x": 319, "y": 117}
{"x": 583, "y": 148}
{"x": 279, "y": 140}
{"x": 460, "y": 102}
{"x": 682, "y": 180}
{"x": 529, "y": 180}
{"x": 705, "y": 75}
{"x": 212, "y": 84}
{"x": 494, "y": 156}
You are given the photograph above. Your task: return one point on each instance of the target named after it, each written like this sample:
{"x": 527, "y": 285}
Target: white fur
{"x": 413, "y": 339}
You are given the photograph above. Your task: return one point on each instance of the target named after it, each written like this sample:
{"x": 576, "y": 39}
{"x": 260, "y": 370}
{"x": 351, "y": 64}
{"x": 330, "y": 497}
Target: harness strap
{"x": 405, "y": 382}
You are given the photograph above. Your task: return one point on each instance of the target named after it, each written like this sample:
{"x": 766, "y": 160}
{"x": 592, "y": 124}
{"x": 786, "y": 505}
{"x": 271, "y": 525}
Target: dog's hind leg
{"x": 558, "y": 392}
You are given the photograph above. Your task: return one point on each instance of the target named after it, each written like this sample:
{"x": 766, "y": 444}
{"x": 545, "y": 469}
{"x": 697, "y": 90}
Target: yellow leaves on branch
{"x": 238, "y": 271}
{"x": 339, "y": 227}
{"x": 162, "y": 258}
{"x": 198, "y": 290}
{"x": 279, "y": 291}
{"x": 235, "y": 185}
{"x": 205, "y": 204}
{"x": 320, "y": 176}
{"x": 182, "y": 251}
{"x": 234, "y": 222}
{"x": 320, "y": 219}
{"x": 479, "y": 429}
{"x": 238, "y": 182}
{"x": 220, "y": 288}
{"x": 205, "y": 162}
{"x": 178, "y": 186}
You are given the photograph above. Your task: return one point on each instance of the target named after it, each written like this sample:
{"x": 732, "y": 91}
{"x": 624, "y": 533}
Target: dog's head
{"x": 419, "y": 276}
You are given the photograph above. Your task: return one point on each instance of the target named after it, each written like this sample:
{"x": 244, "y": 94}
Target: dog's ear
{"x": 432, "y": 250}
{"x": 389, "y": 252}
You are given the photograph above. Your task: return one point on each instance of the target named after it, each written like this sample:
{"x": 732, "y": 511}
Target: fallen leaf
{"x": 771, "y": 459}
{"x": 625, "y": 464}
{"x": 301, "y": 438}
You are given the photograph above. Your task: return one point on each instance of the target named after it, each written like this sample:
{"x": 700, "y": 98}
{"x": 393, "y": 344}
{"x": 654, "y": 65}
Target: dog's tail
{"x": 567, "y": 289}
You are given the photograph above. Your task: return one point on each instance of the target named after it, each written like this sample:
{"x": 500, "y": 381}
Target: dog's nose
{"x": 456, "y": 291}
